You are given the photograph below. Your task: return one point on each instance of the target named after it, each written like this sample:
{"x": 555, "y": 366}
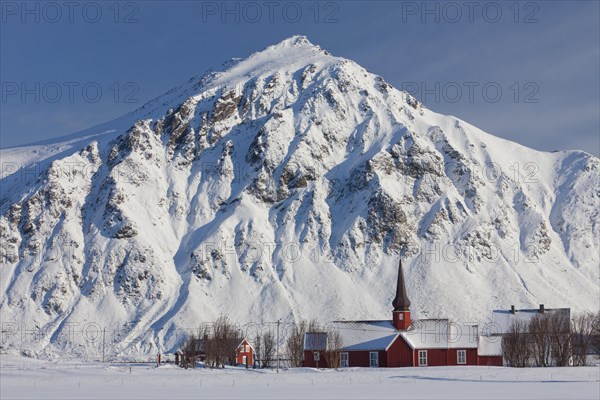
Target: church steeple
{"x": 401, "y": 303}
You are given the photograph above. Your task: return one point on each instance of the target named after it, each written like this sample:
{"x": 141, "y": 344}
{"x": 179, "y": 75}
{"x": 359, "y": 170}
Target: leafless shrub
{"x": 220, "y": 341}
{"x": 334, "y": 344}
{"x": 582, "y": 337}
{"x": 516, "y": 348}
{"x": 295, "y": 343}
{"x": 596, "y": 331}
{"x": 559, "y": 330}
{"x": 189, "y": 353}
{"x": 268, "y": 350}
{"x": 539, "y": 330}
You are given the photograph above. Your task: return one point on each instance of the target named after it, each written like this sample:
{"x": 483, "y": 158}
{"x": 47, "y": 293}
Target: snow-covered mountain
{"x": 284, "y": 185}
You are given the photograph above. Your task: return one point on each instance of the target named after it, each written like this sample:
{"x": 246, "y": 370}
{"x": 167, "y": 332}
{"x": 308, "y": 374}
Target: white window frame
{"x": 376, "y": 359}
{"x": 244, "y": 360}
{"x": 460, "y": 353}
{"x": 344, "y": 360}
{"x": 316, "y": 356}
{"x": 422, "y": 355}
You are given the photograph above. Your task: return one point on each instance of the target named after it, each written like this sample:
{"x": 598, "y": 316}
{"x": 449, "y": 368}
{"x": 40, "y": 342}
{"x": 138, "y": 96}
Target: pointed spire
{"x": 401, "y": 301}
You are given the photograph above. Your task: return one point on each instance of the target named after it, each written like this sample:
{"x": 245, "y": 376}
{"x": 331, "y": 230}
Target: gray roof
{"x": 502, "y": 319}
{"x": 355, "y": 335}
{"x": 366, "y": 335}
{"x": 441, "y": 334}
{"x": 379, "y": 335}
{"x": 315, "y": 341}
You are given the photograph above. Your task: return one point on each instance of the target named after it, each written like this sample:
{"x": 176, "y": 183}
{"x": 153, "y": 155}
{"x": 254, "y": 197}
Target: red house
{"x": 241, "y": 352}
{"x": 244, "y": 353}
{"x": 401, "y": 342}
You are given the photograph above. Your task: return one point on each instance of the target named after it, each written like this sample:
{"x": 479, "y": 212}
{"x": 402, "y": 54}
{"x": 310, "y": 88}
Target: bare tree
{"x": 539, "y": 330}
{"x": 209, "y": 347}
{"x": 313, "y": 325}
{"x": 268, "y": 350}
{"x": 334, "y": 344}
{"x": 559, "y": 329}
{"x": 220, "y": 341}
{"x": 295, "y": 344}
{"x": 189, "y": 352}
{"x": 516, "y": 347}
{"x": 582, "y": 336}
{"x": 596, "y": 331}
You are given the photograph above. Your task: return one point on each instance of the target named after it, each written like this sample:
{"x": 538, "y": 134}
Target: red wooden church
{"x": 401, "y": 342}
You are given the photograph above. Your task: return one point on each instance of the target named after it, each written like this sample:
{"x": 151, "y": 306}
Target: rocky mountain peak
{"x": 286, "y": 183}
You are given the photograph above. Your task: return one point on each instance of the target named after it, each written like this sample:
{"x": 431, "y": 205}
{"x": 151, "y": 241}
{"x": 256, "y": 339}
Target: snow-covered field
{"x": 23, "y": 378}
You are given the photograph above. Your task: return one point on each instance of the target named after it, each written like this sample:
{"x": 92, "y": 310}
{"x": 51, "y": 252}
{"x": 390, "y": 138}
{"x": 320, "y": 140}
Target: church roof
{"x": 366, "y": 335}
{"x": 379, "y": 335}
{"x": 441, "y": 334}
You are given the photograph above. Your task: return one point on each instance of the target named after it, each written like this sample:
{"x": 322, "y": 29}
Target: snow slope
{"x": 284, "y": 186}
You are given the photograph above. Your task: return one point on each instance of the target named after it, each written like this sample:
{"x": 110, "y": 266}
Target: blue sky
{"x": 525, "y": 71}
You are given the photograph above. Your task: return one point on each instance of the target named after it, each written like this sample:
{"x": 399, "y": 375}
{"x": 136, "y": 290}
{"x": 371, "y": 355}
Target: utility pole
{"x": 277, "y": 346}
{"x": 257, "y": 355}
{"x": 103, "y": 343}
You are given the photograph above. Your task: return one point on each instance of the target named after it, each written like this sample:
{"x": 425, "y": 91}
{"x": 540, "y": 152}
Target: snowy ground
{"x": 22, "y": 378}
